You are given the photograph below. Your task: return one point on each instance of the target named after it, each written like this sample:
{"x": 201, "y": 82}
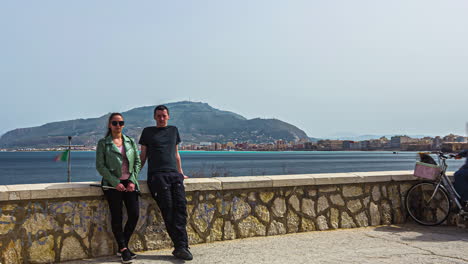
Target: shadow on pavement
{"x": 160, "y": 258}
{"x": 426, "y": 233}
{"x": 142, "y": 258}
{"x": 99, "y": 260}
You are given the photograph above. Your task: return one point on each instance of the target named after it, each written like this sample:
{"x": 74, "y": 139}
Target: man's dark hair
{"x": 162, "y": 108}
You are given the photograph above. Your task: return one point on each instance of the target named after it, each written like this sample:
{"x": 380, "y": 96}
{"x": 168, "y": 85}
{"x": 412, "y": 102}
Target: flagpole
{"x": 69, "y": 158}
{"x": 68, "y": 155}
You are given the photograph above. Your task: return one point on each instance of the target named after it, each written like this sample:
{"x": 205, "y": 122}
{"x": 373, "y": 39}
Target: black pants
{"x": 115, "y": 199}
{"x": 461, "y": 182}
{"x": 168, "y": 190}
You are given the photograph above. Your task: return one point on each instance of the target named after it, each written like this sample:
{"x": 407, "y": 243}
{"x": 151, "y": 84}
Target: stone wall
{"x": 42, "y": 223}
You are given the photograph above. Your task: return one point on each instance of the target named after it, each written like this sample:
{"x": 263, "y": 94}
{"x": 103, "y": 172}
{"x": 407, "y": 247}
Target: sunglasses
{"x": 120, "y": 123}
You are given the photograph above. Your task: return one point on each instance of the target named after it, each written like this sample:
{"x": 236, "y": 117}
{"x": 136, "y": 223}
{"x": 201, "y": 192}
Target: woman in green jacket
{"x": 118, "y": 162}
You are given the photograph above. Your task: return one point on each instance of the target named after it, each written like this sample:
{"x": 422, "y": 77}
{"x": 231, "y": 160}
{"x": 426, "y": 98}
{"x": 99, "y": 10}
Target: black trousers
{"x": 167, "y": 188}
{"x": 116, "y": 200}
{"x": 461, "y": 182}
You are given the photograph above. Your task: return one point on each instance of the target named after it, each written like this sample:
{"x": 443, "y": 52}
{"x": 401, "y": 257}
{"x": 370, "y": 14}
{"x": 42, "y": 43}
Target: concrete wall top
{"x": 83, "y": 189}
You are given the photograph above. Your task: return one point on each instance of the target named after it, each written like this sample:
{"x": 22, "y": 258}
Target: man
{"x": 461, "y": 177}
{"x": 165, "y": 178}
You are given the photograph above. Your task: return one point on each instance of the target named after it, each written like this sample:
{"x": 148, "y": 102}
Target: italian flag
{"x": 63, "y": 156}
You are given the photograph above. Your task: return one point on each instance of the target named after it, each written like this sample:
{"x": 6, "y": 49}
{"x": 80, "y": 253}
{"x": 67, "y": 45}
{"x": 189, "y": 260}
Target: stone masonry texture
{"x": 53, "y": 230}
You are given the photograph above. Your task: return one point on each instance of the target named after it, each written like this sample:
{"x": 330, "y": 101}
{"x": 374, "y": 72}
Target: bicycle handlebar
{"x": 444, "y": 155}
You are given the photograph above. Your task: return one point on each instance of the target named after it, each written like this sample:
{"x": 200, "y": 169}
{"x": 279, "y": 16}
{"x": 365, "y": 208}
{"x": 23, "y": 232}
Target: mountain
{"x": 197, "y": 122}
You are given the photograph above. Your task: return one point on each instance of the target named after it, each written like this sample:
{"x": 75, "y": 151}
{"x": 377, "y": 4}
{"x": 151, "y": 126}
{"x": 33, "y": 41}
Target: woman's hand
{"x": 131, "y": 187}
{"x": 120, "y": 187}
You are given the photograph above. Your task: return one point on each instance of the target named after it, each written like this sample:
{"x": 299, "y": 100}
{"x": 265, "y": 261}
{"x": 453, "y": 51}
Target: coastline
{"x": 221, "y": 151}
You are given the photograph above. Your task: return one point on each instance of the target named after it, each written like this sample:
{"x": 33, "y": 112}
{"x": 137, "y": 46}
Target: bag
{"x": 426, "y": 171}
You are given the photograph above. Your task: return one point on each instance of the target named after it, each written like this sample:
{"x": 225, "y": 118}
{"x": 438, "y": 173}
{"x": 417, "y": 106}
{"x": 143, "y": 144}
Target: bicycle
{"x": 429, "y": 202}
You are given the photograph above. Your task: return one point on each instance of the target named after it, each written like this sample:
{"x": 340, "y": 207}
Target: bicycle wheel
{"x": 426, "y": 205}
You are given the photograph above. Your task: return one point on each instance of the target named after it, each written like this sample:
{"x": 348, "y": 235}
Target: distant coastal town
{"x": 449, "y": 143}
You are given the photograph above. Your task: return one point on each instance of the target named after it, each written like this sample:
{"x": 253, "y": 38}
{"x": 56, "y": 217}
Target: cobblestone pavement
{"x": 407, "y": 243}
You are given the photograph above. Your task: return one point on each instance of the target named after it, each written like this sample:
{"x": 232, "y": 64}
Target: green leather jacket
{"x": 109, "y": 161}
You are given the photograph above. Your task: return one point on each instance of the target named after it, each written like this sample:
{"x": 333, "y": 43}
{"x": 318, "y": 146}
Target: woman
{"x": 118, "y": 162}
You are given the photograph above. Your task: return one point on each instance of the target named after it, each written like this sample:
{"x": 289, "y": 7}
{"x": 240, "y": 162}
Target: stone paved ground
{"x": 407, "y": 243}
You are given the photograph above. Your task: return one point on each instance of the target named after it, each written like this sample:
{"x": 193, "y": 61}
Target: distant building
{"x": 330, "y": 144}
{"x": 347, "y": 144}
{"x": 310, "y": 146}
{"x": 298, "y": 146}
{"x": 437, "y": 143}
{"x": 281, "y": 144}
{"x": 396, "y": 141}
{"x": 230, "y": 145}
{"x": 242, "y": 146}
{"x": 377, "y": 144}
{"x": 215, "y": 146}
{"x": 269, "y": 146}
{"x": 365, "y": 145}
{"x": 454, "y": 146}
{"x": 420, "y": 146}
{"x": 357, "y": 145}
{"x": 417, "y": 144}
{"x": 450, "y": 138}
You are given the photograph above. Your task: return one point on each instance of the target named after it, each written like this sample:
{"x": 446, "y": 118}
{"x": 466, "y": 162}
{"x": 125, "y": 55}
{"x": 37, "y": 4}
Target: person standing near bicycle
{"x": 461, "y": 177}
{"x": 118, "y": 162}
{"x": 159, "y": 144}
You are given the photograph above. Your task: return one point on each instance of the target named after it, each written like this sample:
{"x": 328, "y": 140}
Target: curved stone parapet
{"x": 83, "y": 189}
{"x": 43, "y": 223}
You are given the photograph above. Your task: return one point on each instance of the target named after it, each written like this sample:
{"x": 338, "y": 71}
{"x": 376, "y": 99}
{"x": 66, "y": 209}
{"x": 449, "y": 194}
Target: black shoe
{"x": 182, "y": 253}
{"x": 125, "y": 256}
{"x": 133, "y": 255}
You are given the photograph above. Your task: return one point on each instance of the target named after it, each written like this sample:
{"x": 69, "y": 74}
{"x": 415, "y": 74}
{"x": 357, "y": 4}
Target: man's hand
{"x": 143, "y": 155}
{"x": 120, "y": 187}
{"x": 185, "y": 176}
{"x": 131, "y": 187}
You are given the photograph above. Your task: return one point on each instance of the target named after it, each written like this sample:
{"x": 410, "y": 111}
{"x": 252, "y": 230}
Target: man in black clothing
{"x": 159, "y": 145}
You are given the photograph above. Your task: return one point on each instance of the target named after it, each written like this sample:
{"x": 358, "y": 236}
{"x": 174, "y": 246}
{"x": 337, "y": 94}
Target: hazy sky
{"x": 328, "y": 67}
